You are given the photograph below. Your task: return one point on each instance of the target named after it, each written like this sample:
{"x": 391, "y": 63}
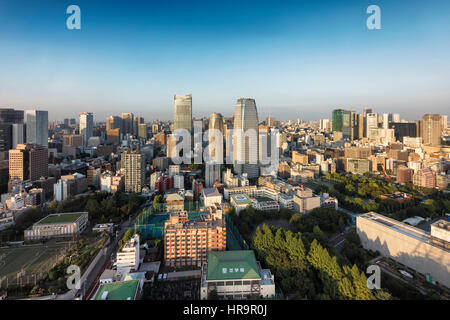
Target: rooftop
{"x": 227, "y": 265}
{"x": 241, "y": 198}
{"x": 124, "y": 290}
{"x": 61, "y": 218}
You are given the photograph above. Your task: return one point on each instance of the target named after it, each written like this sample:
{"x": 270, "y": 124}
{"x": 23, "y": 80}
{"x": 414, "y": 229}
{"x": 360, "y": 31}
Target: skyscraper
{"x": 134, "y": 164}
{"x": 11, "y": 129}
{"x": 337, "y": 115}
{"x": 142, "y": 131}
{"x": 113, "y": 122}
{"x": 372, "y": 122}
{"x": 86, "y": 126}
{"x": 246, "y": 138}
{"x": 128, "y": 123}
{"x": 212, "y": 170}
{"x": 28, "y": 162}
{"x": 183, "y": 112}
{"x": 345, "y": 121}
{"x": 37, "y": 127}
{"x": 432, "y": 129}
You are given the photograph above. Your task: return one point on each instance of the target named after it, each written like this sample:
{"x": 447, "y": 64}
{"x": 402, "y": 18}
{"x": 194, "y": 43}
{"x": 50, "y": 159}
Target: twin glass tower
{"x": 245, "y": 142}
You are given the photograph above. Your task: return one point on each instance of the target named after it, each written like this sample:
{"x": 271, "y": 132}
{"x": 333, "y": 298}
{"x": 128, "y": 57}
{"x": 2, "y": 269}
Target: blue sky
{"x": 298, "y": 59}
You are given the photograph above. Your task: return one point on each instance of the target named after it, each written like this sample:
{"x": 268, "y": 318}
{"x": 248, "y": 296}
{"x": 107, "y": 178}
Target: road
{"x": 338, "y": 240}
{"x": 89, "y": 286}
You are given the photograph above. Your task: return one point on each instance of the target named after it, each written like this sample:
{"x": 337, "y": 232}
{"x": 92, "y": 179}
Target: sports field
{"x": 31, "y": 259}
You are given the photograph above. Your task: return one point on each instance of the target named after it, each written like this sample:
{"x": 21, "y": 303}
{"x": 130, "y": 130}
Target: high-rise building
{"x": 5, "y": 136}
{"x": 187, "y": 242}
{"x": 128, "y": 124}
{"x": 361, "y": 124}
{"x": 404, "y": 129}
{"x": 183, "y": 112}
{"x": 432, "y": 129}
{"x": 212, "y": 168}
{"x": 18, "y": 134}
{"x": 246, "y": 138}
{"x": 86, "y": 126}
{"x": 113, "y": 122}
{"x": 337, "y": 116}
{"x": 345, "y": 121}
{"x": 371, "y": 122}
{"x": 136, "y": 122}
{"x": 75, "y": 140}
{"x": 28, "y": 162}
{"x": 396, "y": 117}
{"x": 37, "y": 127}
{"x": 142, "y": 131}
{"x": 134, "y": 164}
{"x": 11, "y": 128}
{"x": 387, "y": 118}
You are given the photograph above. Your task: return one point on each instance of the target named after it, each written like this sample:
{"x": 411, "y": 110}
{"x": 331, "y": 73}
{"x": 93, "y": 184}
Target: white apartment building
{"x": 128, "y": 256}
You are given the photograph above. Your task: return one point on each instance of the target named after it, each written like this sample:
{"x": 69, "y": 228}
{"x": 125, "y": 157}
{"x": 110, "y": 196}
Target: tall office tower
{"x": 142, "y": 131}
{"x": 18, "y": 134}
{"x": 127, "y": 123}
{"x": 136, "y": 122}
{"x": 212, "y": 170}
{"x": 37, "y": 127}
{"x": 337, "y": 117}
{"x": 86, "y": 126}
{"x": 432, "y": 129}
{"x": 75, "y": 140}
{"x": 387, "y": 118}
{"x": 113, "y": 136}
{"x": 396, "y": 117}
{"x": 8, "y": 115}
{"x": 134, "y": 164}
{"x": 271, "y": 122}
{"x": 366, "y": 111}
{"x": 183, "y": 112}
{"x": 372, "y": 122}
{"x": 348, "y": 124}
{"x": 246, "y": 138}
{"x": 353, "y": 125}
{"x": 11, "y": 130}
{"x": 361, "y": 124}
{"x": 403, "y": 129}
{"x": 28, "y": 162}
{"x": 5, "y": 136}
{"x": 113, "y": 122}
{"x": 324, "y": 123}
{"x": 444, "y": 122}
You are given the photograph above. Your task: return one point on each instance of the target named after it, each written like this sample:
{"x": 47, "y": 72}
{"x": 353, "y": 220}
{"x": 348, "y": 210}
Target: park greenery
{"x": 102, "y": 206}
{"x": 301, "y": 257}
{"x": 307, "y": 270}
{"x": 362, "y": 194}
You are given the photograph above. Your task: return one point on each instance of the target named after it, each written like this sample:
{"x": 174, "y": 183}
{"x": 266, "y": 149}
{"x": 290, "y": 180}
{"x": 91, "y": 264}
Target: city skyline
{"x": 299, "y": 60}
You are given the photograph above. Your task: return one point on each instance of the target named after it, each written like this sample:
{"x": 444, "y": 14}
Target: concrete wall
{"x": 421, "y": 256}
